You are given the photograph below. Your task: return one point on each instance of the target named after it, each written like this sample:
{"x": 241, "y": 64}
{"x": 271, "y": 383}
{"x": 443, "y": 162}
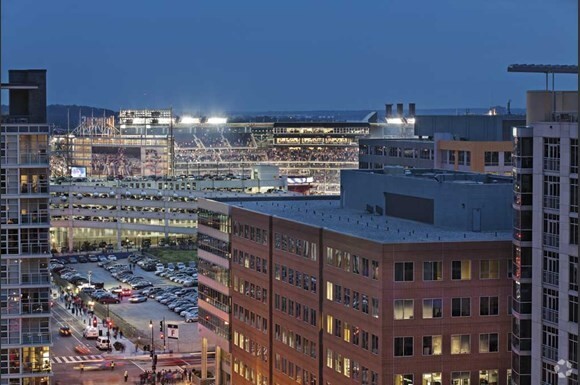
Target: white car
{"x": 112, "y": 257}
{"x": 192, "y": 316}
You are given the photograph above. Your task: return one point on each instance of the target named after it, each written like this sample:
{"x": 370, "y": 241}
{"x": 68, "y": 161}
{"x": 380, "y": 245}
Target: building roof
{"x": 327, "y": 213}
{"x": 544, "y": 68}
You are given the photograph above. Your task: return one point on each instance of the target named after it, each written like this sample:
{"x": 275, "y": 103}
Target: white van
{"x": 90, "y": 332}
{"x": 103, "y": 343}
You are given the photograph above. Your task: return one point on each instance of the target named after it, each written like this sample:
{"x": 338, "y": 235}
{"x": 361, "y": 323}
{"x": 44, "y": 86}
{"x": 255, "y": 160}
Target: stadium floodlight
{"x": 217, "y": 120}
{"x": 189, "y": 120}
{"x": 401, "y": 120}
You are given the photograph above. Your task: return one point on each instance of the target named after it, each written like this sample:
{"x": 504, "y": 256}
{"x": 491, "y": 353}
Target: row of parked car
{"x": 123, "y": 273}
{"x": 181, "y": 300}
{"x": 86, "y": 258}
{"x": 68, "y": 273}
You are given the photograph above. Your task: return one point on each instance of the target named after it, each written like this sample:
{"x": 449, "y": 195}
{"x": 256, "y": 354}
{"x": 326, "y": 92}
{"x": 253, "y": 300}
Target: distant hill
{"x": 58, "y": 114}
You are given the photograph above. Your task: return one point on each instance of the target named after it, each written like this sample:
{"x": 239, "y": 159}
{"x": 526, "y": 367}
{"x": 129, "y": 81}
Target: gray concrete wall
{"x": 469, "y": 127}
{"x": 454, "y": 203}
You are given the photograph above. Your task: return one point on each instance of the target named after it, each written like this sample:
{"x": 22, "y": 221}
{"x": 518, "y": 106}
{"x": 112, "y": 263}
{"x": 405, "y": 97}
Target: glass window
{"x": 432, "y": 345}
{"x": 488, "y": 343}
{"x": 460, "y": 344}
{"x": 488, "y": 306}
{"x": 461, "y": 307}
{"x": 404, "y": 379}
{"x": 460, "y": 378}
{"x": 461, "y": 270}
{"x": 432, "y": 271}
{"x": 403, "y": 309}
{"x": 434, "y": 378}
{"x": 488, "y": 376}
{"x": 403, "y": 346}
{"x": 489, "y": 269}
{"x": 432, "y": 308}
{"x": 403, "y": 271}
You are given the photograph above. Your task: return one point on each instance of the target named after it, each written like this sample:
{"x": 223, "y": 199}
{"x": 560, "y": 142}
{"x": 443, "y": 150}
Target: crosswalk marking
{"x": 74, "y": 359}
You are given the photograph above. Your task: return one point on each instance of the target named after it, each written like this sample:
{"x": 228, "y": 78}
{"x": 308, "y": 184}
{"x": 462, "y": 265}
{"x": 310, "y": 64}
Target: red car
{"x": 109, "y": 299}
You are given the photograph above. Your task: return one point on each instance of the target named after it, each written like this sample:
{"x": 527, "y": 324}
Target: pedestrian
{"x": 82, "y": 367}
{"x": 112, "y": 365}
{"x": 126, "y": 375}
{"x": 121, "y": 334}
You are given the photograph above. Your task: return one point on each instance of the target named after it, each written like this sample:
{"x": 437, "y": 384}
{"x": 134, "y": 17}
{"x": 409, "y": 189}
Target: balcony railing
{"x": 35, "y": 308}
{"x": 552, "y": 202}
{"x": 28, "y": 248}
{"x": 34, "y": 158}
{"x": 550, "y": 353}
{"x": 552, "y": 164}
{"x": 36, "y": 338}
{"x": 35, "y": 278}
{"x": 551, "y": 240}
{"x": 33, "y": 188}
{"x": 29, "y": 219}
{"x": 550, "y": 315}
{"x": 551, "y": 278}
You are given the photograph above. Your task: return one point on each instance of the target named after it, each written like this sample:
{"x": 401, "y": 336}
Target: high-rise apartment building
{"x": 24, "y": 235}
{"x": 545, "y": 307}
{"x": 406, "y": 279}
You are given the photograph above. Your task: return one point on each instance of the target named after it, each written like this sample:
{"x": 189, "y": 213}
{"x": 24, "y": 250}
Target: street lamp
{"x": 151, "y": 327}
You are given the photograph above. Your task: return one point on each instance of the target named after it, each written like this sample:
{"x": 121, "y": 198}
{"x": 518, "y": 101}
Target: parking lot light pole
{"x": 151, "y": 327}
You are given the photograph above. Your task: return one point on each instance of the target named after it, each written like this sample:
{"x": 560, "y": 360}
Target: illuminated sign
{"x": 78, "y": 172}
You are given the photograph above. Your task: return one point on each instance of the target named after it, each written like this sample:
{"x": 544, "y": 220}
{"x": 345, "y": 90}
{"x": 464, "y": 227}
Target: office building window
{"x": 488, "y": 343}
{"x": 573, "y": 350}
{"x": 461, "y": 307}
{"x": 489, "y": 269}
{"x": 488, "y": 306}
{"x": 404, "y": 379}
{"x": 460, "y": 378}
{"x": 549, "y": 375}
{"x": 552, "y": 192}
{"x": 573, "y": 308}
{"x": 573, "y": 195}
{"x": 573, "y": 231}
{"x": 432, "y": 308}
{"x": 432, "y": 271}
{"x": 432, "y": 378}
{"x": 432, "y": 345}
{"x": 403, "y": 346}
{"x": 507, "y": 158}
{"x": 551, "y": 230}
{"x": 490, "y": 376}
{"x": 491, "y": 158}
{"x": 573, "y": 273}
{"x": 460, "y": 344}
{"x": 375, "y": 344}
{"x": 375, "y": 307}
{"x": 461, "y": 270}
{"x": 573, "y": 156}
{"x": 552, "y": 154}
{"x": 403, "y": 271}
{"x": 403, "y": 309}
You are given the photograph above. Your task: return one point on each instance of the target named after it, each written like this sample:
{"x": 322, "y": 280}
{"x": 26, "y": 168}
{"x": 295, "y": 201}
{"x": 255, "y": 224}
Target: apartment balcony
{"x": 552, "y": 202}
{"x": 36, "y": 309}
{"x": 30, "y": 248}
{"x": 40, "y": 158}
{"x": 550, "y": 315}
{"x": 35, "y": 279}
{"x": 550, "y": 353}
{"x": 552, "y": 164}
{"x": 551, "y": 240}
{"x": 550, "y": 278}
{"x": 36, "y": 338}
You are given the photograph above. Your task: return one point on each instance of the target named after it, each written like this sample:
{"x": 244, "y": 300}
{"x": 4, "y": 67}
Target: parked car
{"x": 83, "y": 259}
{"x": 93, "y": 258}
{"x": 112, "y": 257}
{"x": 192, "y": 316}
{"x": 137, "y": 298}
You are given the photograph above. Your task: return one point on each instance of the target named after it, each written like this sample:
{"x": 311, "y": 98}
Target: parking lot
{"x": 139, "y": 315}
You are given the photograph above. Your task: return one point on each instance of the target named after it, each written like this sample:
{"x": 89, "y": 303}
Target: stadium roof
{"x": 544, "y": 68}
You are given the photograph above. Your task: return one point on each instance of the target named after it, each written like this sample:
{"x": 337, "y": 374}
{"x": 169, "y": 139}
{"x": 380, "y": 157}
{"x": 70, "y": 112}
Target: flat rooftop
{"x": 327, "y": 213}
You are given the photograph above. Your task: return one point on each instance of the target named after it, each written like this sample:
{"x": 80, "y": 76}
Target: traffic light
{"x": 160, "y": 326}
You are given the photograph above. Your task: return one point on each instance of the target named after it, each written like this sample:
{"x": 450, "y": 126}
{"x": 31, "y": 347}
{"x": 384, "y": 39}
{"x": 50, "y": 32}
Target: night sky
{"x": 289, "y": 55}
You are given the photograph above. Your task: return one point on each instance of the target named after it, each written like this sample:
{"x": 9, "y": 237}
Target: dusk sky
{"x": 289, "y": 55}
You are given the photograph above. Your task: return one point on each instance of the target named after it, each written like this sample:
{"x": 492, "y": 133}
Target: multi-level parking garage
{"x": 134, "y": 213}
